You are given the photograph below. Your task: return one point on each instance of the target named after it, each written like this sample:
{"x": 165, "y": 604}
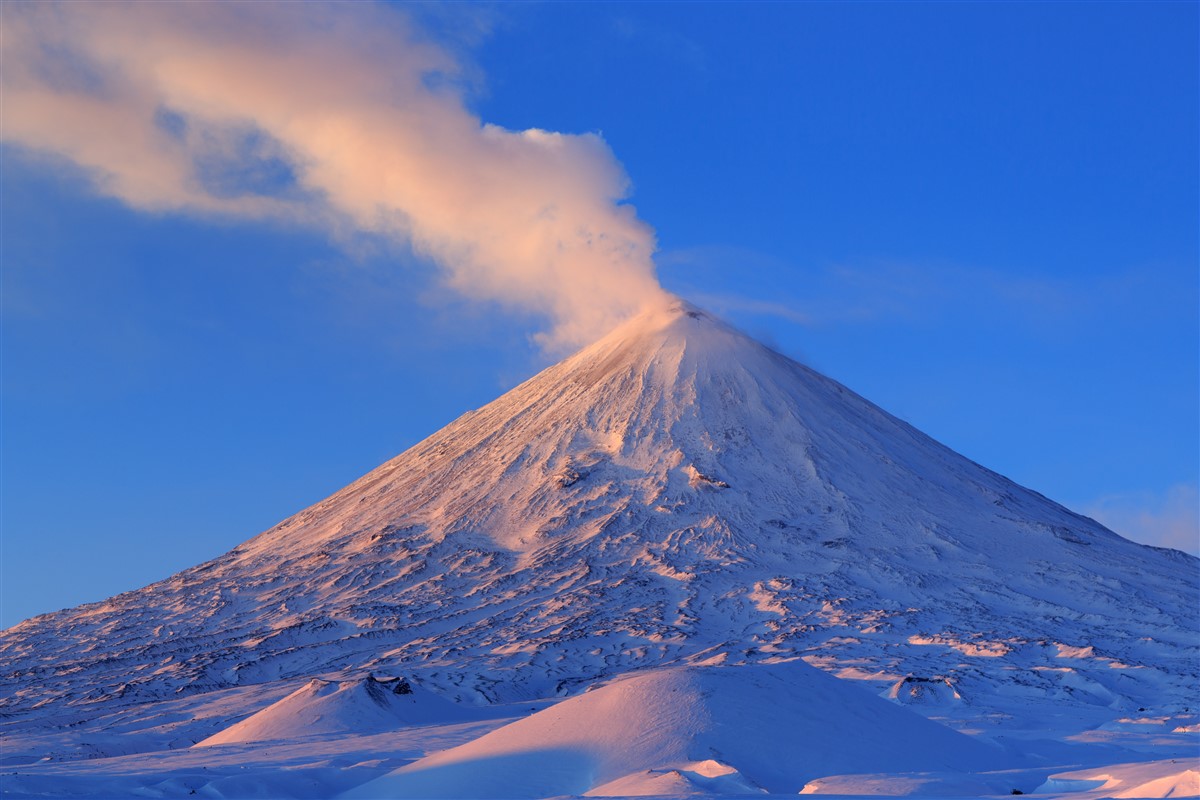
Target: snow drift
{"x": 739, "y": 729}
{"x": 1165, "y": 778}
{"x": 368, "y": 705}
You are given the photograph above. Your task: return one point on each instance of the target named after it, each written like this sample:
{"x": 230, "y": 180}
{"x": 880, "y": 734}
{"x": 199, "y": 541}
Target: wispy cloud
{"x": 726, "y": 303}
{"x": 342, "y": 116}
{"x": 668, "y": 44}
{"x": 1167, "y": 519}
{"x": 908, "y": 293}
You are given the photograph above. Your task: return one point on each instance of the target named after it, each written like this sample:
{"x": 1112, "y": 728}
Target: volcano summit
{"x": 675, "y": 496}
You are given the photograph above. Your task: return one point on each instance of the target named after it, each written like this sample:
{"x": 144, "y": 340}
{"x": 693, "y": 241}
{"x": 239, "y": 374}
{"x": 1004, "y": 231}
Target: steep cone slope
{"x": 752, "y": 728}
{"x": 366, "y": 705}
{"x": 675, "y": 491}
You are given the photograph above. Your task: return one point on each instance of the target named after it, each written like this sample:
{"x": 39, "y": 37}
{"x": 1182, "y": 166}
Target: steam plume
{"x": 335, "y": 116}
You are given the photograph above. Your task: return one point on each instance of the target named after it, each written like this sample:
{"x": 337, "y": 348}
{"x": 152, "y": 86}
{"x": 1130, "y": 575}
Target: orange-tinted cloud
{"x": 339, "y": 116}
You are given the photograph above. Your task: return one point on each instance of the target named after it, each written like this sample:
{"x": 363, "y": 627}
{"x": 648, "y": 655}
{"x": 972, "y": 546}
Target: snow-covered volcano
{"x": 675, "y": 493}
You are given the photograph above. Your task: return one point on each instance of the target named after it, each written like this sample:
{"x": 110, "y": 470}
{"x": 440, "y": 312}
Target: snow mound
{"x": 368, "y": 705}
{"x": 701, "y": 777}
{"x": 928, "y": 784}
{"x": 914, "y": 690}
{"x": 698, "y": 729}
{"x": 1167, "y": 778}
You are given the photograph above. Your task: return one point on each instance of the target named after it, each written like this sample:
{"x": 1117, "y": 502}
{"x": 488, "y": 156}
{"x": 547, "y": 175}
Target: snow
{"x": 1167, "y": 778}
{"x": 773, "y": 725}
{"x": 674, "y": 495}
{"x": 362, "y": 706}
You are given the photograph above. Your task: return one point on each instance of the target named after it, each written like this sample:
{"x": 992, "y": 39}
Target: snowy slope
{"x": 322, "y": 707}
{"x": 674, "y": 493}
{"x": 742, "y": 730}
{"x": 1167, "y": 778}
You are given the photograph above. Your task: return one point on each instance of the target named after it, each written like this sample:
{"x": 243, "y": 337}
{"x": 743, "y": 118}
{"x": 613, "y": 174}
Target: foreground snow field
{"x": 676, "y": 563}
{"x": 531, "y": 757}
{"x": 741, "y": 729}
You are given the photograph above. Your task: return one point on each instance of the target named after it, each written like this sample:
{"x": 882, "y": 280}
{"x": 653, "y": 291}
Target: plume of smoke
{"x": 337, "y": 116}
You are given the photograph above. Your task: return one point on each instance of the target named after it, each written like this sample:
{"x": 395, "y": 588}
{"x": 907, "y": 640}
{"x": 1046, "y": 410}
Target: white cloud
{"x": 334, "y": 115}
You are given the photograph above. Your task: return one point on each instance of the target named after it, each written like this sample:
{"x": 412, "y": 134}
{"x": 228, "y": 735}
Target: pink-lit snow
{"x": 675, "y": 563}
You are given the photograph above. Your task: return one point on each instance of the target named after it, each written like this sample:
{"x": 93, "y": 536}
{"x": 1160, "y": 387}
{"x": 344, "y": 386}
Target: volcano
{"x": 675, "y": 494}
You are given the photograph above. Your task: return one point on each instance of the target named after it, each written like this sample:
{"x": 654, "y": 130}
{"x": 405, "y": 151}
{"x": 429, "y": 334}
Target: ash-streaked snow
{"x": 674, "y": 495}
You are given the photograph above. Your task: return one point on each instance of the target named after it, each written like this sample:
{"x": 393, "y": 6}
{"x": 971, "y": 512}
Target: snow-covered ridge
{"x": 354, "y": 707}
{"x": 685, "y": 730}
{"x": 674, "y": 493}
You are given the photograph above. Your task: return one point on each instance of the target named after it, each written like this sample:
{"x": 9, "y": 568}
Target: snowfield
{"x": 676, "y": 563}
{"x": 746, "y": 728}
{"x": 351, "y": 707}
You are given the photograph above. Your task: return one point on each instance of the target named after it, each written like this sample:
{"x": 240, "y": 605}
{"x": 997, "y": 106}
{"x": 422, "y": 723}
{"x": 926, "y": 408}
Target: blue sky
{"x": 982, "y": 217}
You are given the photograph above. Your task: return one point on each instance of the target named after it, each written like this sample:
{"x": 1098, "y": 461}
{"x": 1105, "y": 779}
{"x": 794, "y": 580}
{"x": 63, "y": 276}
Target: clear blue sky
{"x": 981, "y": 216}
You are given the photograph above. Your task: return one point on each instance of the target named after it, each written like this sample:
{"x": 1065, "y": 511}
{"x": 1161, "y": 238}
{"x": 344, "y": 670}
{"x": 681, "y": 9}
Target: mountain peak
{"x": 673, "y": 313}
{"x": 674, "y": 319}
{"x": 671, "y": 343}
{"x": 674, "y": 493}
